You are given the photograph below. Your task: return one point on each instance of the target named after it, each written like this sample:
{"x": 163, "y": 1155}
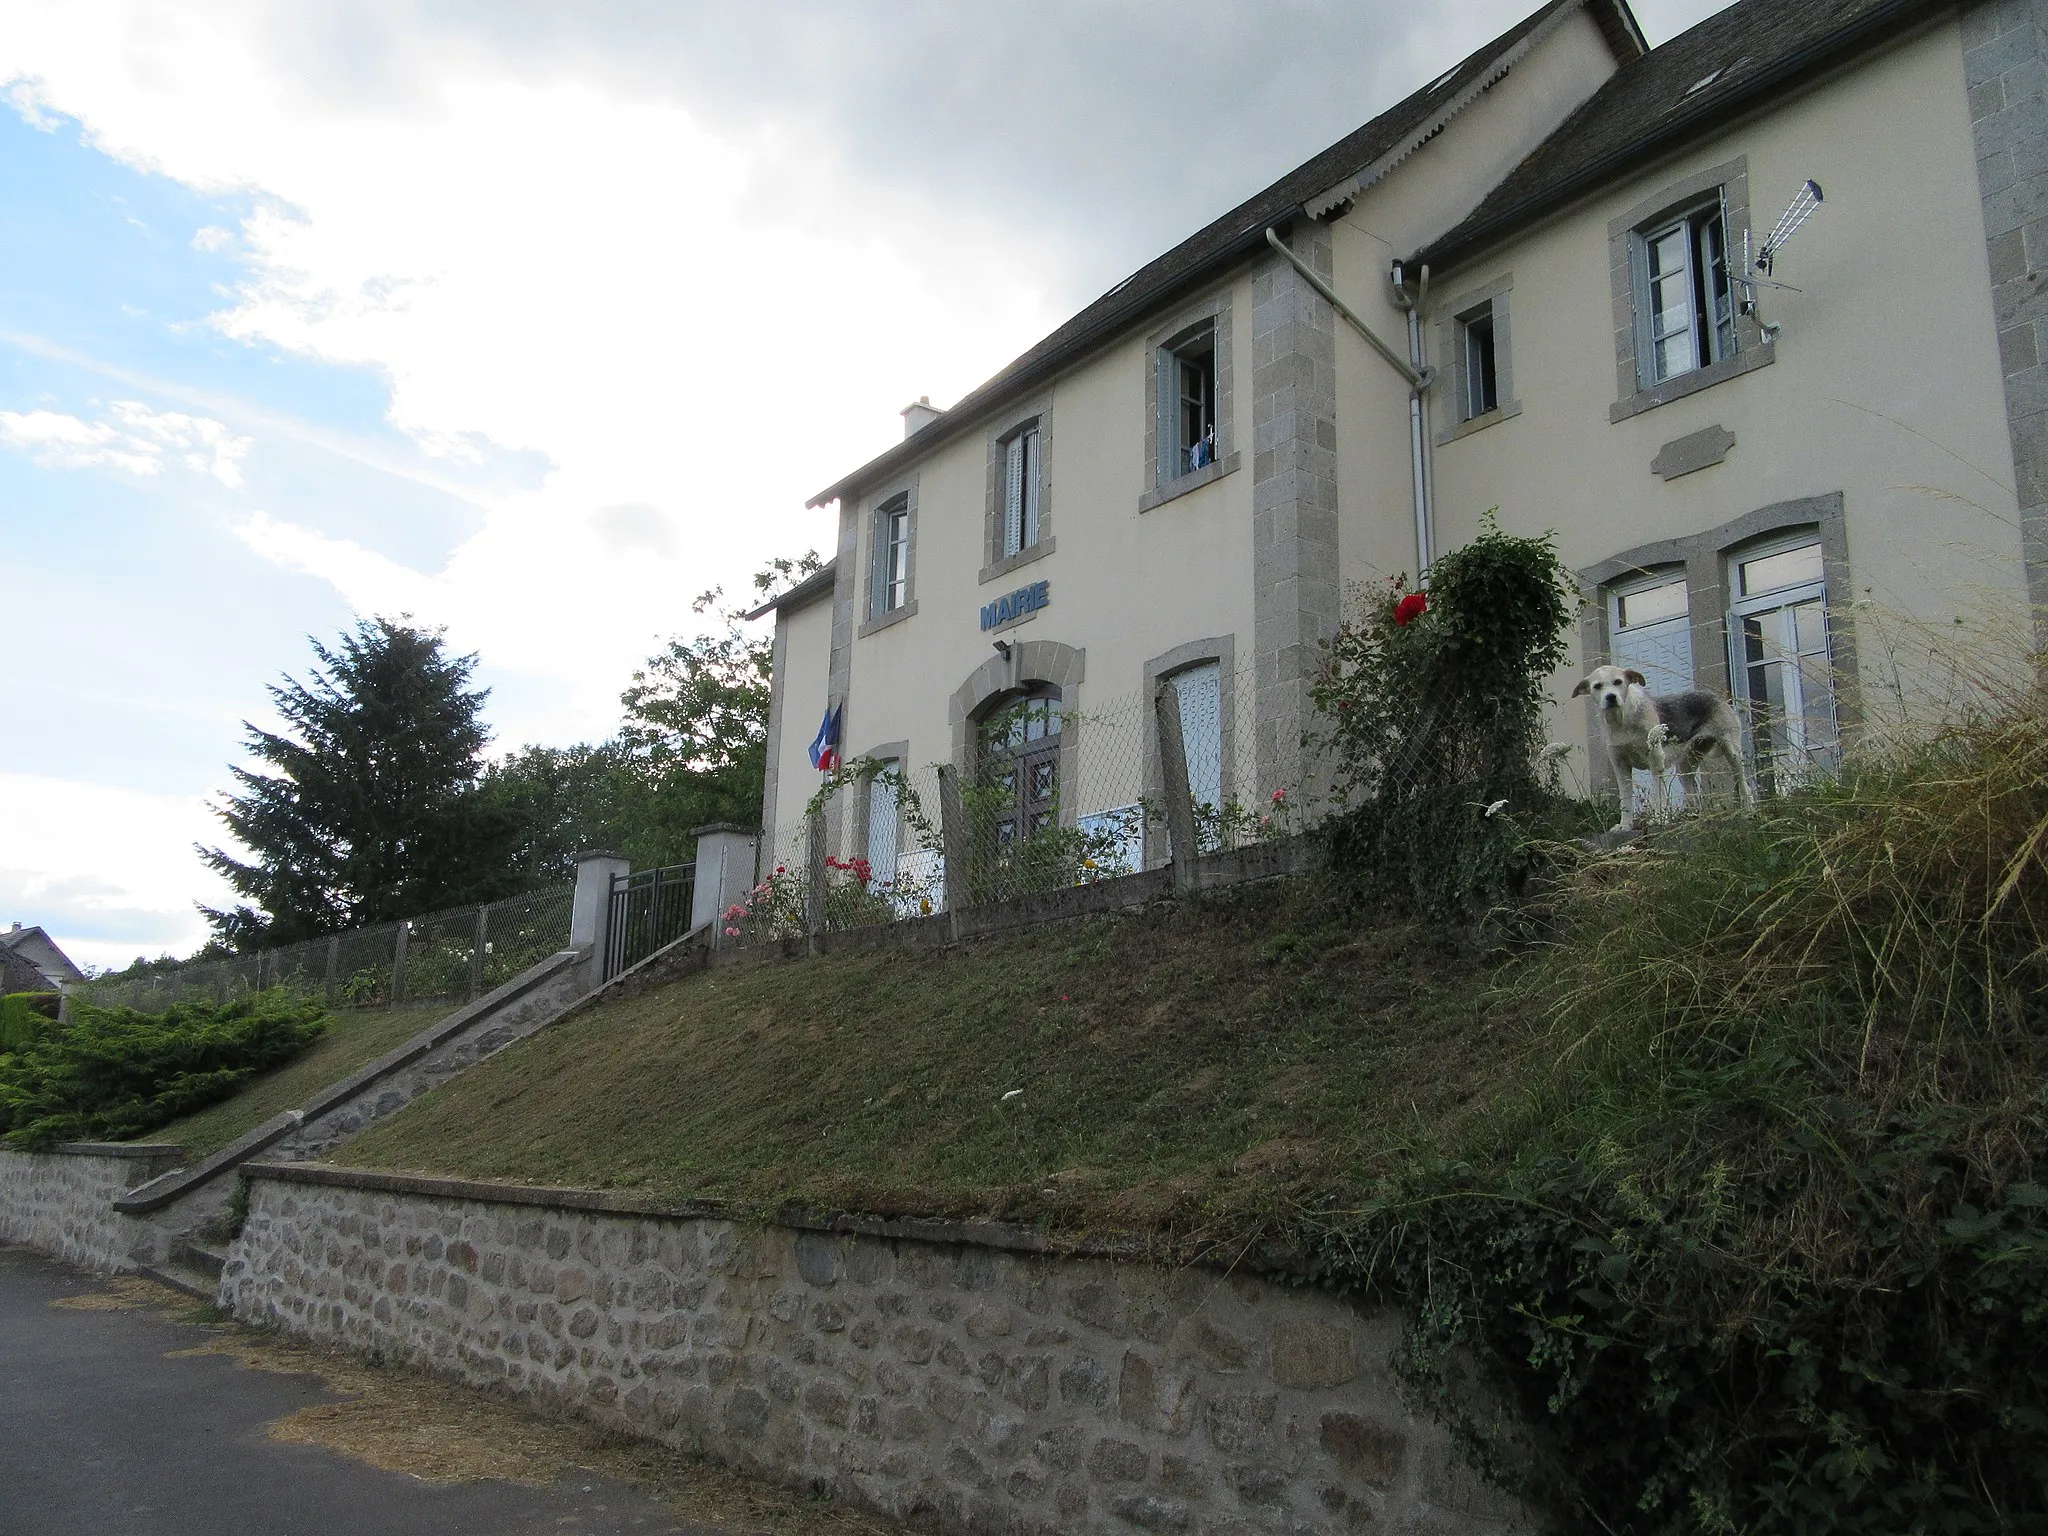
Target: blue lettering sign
{"x": 1012, "y": 606}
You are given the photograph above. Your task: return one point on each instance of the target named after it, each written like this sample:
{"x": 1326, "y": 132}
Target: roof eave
{"x": 1867, "y": 31}
{"x": 957, "y": 420}
{"x": 1354, "y": 186}
{"x": 818, "y": 582}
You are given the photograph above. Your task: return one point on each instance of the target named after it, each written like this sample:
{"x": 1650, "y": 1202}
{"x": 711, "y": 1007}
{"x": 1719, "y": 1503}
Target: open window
{"x": 1685, "y": 298}
{"x": 1480, "y": 364}
{"x": 1187, "y": 397}
{"x": 1023, "y": 474}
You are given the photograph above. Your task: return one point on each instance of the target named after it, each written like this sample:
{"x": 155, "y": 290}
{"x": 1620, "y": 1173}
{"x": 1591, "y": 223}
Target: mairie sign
{"x": 1015, "y": 605}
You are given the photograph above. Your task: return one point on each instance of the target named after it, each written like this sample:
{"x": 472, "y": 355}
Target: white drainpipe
{"x": 1418, "y": 423}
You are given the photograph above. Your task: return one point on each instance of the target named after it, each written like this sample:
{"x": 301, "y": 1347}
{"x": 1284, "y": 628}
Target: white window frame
{"x": 1179, "y": 458}
{"x": 1618, "y": 594}
{"x": 890, "y": 586}
{"x": 1475, "y": 371}
{"x": 1709, "y": 327}
{"x": 1808, "y": 755}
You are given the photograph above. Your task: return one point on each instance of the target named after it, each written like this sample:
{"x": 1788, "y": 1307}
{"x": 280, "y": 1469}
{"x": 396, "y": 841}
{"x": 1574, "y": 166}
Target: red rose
{"x": 1410, "y": 608}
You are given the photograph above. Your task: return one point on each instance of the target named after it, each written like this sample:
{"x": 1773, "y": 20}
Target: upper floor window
{"x": 1685, "y": 300}
{"x": 891, "y": 586}
{"x": 1187, "y": 396}
{"x": 1481, "y": 363}
{"x": 1022, "y": 473}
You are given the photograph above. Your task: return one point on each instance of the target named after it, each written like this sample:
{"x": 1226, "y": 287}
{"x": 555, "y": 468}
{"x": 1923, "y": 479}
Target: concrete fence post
{"x": 398, "y": 962}
{"x": 953, "y": 845}
{"x": 726, "y": 856}
{"x": 814, "y": 874}
{"x": 1173, "y": 775}
{"x": 476, "y": 952}
{"x": 590, "y": 910}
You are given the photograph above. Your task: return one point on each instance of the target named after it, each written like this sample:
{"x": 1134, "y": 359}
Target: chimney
{"x": 916, "y": 417}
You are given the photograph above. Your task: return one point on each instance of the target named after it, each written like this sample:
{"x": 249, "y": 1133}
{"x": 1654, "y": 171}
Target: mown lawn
{"x": 352, "y": 1039}
{"x": 1176, "y": 1070}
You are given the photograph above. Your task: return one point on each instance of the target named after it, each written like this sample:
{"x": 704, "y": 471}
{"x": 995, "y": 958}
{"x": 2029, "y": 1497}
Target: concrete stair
{"x": 191, "y": 1267}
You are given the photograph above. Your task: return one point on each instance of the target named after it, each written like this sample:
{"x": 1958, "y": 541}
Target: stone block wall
{"x": 62, "y": 1202}
{"x": 949, "y": 1383}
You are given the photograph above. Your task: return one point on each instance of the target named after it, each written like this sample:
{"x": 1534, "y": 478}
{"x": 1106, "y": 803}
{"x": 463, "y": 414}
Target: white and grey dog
{"x": 1663, "y": 734}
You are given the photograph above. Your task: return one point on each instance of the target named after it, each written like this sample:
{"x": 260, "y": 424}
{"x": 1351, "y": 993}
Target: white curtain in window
{"x": 1013, "y": 495}
{"x": 1201, "y": 728}
{"x": 882, "y": 819}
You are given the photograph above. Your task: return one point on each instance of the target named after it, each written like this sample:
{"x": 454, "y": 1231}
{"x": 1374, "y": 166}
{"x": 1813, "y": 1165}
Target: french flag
{"x": 825, "y": 747}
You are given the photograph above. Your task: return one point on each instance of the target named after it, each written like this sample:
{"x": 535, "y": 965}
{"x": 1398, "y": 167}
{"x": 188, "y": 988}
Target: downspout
{"x": 1418, "y": 421}
{"x": 1413, "y": 372}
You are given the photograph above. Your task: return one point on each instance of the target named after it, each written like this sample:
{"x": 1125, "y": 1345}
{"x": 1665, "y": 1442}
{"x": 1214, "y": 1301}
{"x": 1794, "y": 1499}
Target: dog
{"x": 1663, "y": 734}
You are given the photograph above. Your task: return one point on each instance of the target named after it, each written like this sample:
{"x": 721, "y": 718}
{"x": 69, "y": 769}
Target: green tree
{"x": 364, "y": 809}
{"x": 692, "y": 749}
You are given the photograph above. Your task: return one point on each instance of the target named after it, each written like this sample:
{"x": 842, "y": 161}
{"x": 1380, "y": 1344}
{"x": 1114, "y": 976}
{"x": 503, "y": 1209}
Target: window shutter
{"x": 1201, "y": 725}
{"x": 1033, "y": 473}
{"x": 1013, "y": 496}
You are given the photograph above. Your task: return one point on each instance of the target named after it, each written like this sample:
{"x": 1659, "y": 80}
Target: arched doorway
{"x": 1019, "y": 735}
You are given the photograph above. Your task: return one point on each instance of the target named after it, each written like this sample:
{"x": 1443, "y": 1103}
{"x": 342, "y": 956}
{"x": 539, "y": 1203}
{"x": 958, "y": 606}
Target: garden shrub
{"x": 25, "y": 1016}
{"x": 1432, "y": 718}
{"x": 114, "y": 1073}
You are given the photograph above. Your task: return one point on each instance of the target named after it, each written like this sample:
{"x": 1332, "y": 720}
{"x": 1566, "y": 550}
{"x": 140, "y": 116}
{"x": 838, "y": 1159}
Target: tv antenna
{"x": 1804, "y": 202}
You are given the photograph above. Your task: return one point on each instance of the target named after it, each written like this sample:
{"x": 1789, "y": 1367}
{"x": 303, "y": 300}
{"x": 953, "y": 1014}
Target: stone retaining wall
{"x": 952, "y": 1383}
{"x": 62, "y": 1201}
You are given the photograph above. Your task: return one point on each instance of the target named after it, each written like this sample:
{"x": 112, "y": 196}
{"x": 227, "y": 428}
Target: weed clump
{"x": 1765, "y": 1247}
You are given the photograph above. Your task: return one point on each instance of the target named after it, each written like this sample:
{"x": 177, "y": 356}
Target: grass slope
{"x": 352, "y": 1039}
{"x": 1180, "y": 1069}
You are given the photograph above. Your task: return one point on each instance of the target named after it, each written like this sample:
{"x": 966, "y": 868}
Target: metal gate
{"x": 649, "y": 908}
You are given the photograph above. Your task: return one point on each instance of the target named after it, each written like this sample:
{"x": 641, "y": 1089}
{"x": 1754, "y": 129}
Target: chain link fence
{"x": 1057, "y": 797}
{"x": 443, "y": 957}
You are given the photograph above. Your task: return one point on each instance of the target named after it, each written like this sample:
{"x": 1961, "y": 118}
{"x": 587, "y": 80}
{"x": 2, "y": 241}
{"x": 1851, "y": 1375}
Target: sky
{"x": 531, "y": 321}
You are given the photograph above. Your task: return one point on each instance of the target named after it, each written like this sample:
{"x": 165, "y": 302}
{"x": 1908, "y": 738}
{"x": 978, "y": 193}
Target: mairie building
{"x": 1752, "y": 321}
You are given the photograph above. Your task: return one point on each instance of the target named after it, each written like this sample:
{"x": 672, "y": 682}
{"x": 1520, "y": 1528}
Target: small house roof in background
{"x": 40, "y": 951}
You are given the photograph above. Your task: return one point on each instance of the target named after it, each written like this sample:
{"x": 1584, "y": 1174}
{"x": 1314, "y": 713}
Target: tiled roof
{"x": 1233, "y": 237}
{"x": 1732, "y": 62}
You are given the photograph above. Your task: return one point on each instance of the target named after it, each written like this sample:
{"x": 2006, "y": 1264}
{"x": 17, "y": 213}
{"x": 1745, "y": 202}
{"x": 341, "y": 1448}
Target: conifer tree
{"x": 364, "y": 809}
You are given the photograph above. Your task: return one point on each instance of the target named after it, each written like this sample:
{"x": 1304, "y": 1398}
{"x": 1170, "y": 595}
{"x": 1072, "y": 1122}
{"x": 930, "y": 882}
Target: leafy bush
{"x": 113, "y": 1073}
{"x": 1766, "y": 1248}
{"x": 1432, "y": 710}
{"x": 24, "y": 1016}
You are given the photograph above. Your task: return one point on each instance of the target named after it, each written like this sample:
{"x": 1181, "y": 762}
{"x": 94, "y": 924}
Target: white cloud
{"x": 135, "y": 439}
{"x": 109, "y": 872}
{"x": 212, "y": 238}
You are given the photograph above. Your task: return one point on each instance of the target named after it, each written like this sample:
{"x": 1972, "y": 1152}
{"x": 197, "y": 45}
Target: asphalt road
{"x": 102, "y": 1433}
